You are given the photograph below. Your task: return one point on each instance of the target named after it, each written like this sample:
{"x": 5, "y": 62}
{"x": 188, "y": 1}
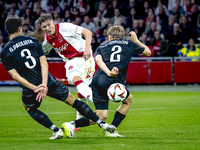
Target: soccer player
{"x": 66, "y": 39}
{"x": 24, "y": 59}
{"x": 113, "y": 58}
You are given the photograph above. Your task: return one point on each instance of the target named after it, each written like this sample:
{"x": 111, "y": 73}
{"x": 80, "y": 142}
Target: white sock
{"x": 54, "y": 128}
{"x": 84, "y": 90}
{"x": 73, "y": 123}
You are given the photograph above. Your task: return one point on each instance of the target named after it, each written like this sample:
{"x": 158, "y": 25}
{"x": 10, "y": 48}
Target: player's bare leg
{"x": 120, "y": 115}
{"x": 87, "y": 112}
{"x": 125, "y": 106}
{"x": 103, "y": 114}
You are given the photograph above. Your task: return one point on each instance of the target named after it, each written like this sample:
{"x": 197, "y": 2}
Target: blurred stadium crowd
{"x": 168, "y": 27}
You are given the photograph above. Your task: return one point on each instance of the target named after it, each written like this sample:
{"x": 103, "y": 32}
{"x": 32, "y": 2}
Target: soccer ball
{"x": 117, "y": 92}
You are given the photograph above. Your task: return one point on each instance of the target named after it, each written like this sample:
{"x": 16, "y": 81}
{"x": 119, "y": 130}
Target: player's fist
{"x": 114, "y": 72}
{"x": 133, "y": 36}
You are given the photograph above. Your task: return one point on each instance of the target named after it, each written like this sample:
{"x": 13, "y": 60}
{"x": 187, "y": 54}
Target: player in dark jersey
{"x": 24, "y": 59}
{"x": 113, "y": 58}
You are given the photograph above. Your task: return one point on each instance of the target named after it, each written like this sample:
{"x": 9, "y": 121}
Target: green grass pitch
{"x": 156, "y": 120}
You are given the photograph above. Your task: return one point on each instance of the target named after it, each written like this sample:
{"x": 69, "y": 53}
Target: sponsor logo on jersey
{"x": 61, "y": 48}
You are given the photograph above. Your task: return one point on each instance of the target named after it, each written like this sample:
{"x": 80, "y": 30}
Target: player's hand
{"x": 86, "y": 54}
{"x": 41, "y": 87}
{"x": 41, "y": 94}
{"x": 114, "y": 72}
{"x": 133, "y": 36}
{"x": 42, "y": 91}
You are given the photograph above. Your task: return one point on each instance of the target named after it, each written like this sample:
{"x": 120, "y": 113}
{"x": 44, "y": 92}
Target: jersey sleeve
{"x": 7, "y": 62}
{"x": 97, "y": 52}
{"x": 69, "y": 29}
{"x": 46, "y": 46}
{"x": 40, "y": 49}
{"x": 137, "y": 48}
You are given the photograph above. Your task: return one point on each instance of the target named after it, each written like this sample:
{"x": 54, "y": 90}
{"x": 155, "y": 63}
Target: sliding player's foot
{"x": 57, "y": 135}
{"x": 68, "y": 129}
{"x": 115, "y": 134}
{"x": 107, "y": 127}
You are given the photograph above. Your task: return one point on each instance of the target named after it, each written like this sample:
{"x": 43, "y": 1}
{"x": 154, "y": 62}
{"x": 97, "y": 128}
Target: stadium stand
{"x": 176, "y": 21}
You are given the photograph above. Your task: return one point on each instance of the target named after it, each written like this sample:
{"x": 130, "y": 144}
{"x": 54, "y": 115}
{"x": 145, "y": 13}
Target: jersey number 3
{"x": 28, "y": 57}
{"x": 117, "y": 49}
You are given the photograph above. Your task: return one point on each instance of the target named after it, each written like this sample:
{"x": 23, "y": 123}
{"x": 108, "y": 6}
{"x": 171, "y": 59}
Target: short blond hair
{"x": 117, "y": 32}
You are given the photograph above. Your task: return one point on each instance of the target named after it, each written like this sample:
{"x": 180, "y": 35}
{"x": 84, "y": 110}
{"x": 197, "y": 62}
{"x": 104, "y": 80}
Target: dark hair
{"x": 12, "y": 24}
{"x": 54, "y": 3}
{"x": 194, "y": 39}
{"x": 44, "y": 17}
{"x": 100, "y": 11}
{"x": 105, "y": 2}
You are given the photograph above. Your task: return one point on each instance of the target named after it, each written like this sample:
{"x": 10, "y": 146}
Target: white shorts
{"x": 79, "y": 67}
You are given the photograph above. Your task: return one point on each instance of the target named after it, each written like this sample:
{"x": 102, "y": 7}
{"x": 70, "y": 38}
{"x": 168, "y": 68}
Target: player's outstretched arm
{"x": 41, "y": 90}
{"x": 88, "y": 38}
{"x": 15, "y": 75}
{"x": 134, "y": 38}
{"x": 44, "y": 70}
{"x": 103, "y": 67}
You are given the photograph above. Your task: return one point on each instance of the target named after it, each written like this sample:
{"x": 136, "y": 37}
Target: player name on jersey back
{"x": 117, "y": 42}
{"x": 19, "y": 44}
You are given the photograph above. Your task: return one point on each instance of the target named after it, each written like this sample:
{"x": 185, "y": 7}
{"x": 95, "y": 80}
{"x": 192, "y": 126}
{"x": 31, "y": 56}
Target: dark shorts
{"x": 100, "y": 85}
{"x": 101, "y": 106}
{"x": 56, "y": 90}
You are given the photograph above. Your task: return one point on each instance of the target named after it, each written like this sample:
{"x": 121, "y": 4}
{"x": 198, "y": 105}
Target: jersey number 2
{"x": 28, "y": 57}
{"x": 119, "y": 49}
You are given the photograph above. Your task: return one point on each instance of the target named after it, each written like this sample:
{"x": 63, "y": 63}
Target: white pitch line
{"x": 75, "y": 112}
{"x": 54, "y": 113}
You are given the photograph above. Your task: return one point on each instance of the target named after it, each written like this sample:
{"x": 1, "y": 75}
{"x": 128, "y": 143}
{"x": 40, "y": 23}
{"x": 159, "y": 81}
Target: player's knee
{"x": 129, "y": 100}
{"x": 76, "y": 78}
{"x": 70, "y": 99}
{"x": 102, "y": 116}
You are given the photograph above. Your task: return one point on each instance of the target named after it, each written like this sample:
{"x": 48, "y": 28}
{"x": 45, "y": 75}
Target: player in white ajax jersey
{"x": 66, "y": 39}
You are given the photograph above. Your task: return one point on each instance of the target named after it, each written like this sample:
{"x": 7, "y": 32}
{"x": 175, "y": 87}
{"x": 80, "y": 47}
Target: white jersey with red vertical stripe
{"x": 67, "y": 41}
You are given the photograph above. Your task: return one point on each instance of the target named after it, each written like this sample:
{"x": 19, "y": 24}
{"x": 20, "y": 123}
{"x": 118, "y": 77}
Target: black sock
{"x": 118, "y": 119}
{"x": 41, "y": 118}
{"x": 82, "y": 122}
{"x": 85, "y": 110}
